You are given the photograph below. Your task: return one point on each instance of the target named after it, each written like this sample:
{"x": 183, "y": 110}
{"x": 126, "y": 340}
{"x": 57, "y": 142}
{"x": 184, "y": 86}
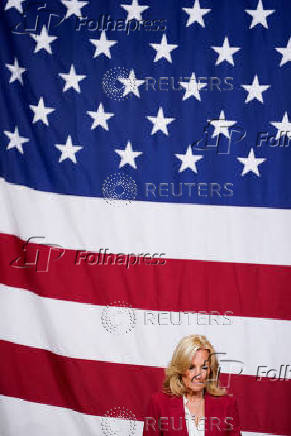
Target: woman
{"x": 192, "y": 403}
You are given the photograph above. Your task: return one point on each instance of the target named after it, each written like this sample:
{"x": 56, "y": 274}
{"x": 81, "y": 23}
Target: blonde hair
{"x": 181, "y": 361}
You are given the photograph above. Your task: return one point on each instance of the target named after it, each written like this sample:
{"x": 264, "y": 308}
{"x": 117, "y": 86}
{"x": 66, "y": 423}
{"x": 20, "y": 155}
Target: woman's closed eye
{"x": 204, "y": 367}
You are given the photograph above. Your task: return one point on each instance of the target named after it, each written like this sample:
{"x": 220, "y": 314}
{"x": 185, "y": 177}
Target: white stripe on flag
{"x": 35, "y": 419}
{"x": 20, "y": 418}
{"x": 181, "y": 231}
{"x": 76, "y": 330}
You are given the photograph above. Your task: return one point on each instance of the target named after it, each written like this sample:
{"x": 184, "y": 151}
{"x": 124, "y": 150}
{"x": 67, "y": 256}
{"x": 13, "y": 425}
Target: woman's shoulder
{"x": 232, "y": 399}
{"x": 162, "y": 397}
{"x": 228, "y": 398}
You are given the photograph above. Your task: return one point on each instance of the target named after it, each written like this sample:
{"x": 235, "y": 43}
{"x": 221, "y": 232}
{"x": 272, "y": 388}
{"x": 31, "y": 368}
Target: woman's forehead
{"x": 200, "y": 355}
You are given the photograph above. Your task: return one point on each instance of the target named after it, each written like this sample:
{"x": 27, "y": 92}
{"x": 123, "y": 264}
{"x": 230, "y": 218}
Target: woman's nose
{"x": 196, "y": 374}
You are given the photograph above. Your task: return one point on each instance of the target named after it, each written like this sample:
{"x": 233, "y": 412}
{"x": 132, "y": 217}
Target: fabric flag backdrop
{"x": 158, "y": 129}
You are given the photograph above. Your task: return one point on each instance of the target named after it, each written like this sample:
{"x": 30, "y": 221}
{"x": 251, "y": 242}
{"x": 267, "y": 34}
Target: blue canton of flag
{"x": 191, "y": 95}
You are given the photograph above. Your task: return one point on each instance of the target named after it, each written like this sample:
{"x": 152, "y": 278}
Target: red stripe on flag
{"x": 180, "y": 284}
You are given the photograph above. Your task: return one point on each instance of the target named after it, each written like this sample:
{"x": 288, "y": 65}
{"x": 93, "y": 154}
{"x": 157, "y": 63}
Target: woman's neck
{"x": 195, "y": 395}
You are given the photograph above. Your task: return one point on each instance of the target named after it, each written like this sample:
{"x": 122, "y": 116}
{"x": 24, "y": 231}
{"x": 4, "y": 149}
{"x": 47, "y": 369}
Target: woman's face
{"x": 195, "y": 377}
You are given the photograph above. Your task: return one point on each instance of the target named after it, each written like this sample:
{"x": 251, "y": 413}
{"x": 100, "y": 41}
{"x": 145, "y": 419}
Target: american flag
{"x": 158, "y": 129}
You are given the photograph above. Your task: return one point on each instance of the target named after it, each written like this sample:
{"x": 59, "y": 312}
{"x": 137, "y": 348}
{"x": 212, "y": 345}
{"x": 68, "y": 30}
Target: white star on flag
{"x": 68, "y": 150}
{"x": 131, "y": 84}
{"x": 163, "y": 49}
{"x": 251, "y": 163}
{"x": 16, "y": 71}
{"x": 225, "y": 52}
{"x": 259, "y": 15}
{"x": 196, "y": 14}
{"x": 283, "y": 127}
{"x": 188, "y": 160}
{"x": 134, "y": 11}
{"x": 41, "y": 112}
{"x": 43, "y": 40}
{"x": 128, "y": 156}
{"x": 221, "y": 125}
{"x": 16, "y": 140}
{"x": 285, "y": 52}
{"x": 72, "y": 79}
{"x": 160, "y": 122}
{"x": 255, "y": 90}
{"x": 100, "y": 117}
{"x": 192, "y": 88}
{"x": 103, "y": 45}
{"x": 17, "y": 4}
{"x": 74, "y": 7}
